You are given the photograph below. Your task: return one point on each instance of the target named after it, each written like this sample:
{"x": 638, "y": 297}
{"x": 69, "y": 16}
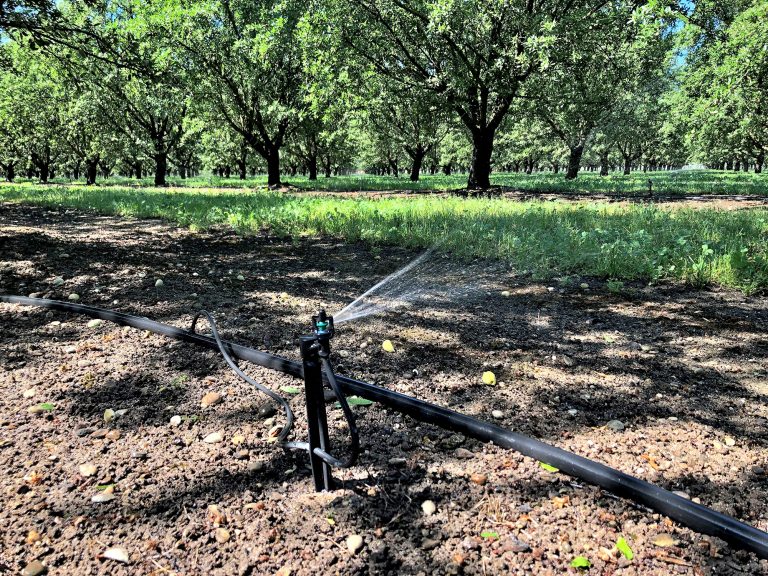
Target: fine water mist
{"x": 432, "y": 278}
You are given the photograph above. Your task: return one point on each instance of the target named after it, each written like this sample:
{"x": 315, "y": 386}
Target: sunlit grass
{"x": 683, "y": 182}
{"x": 547, "y": 239}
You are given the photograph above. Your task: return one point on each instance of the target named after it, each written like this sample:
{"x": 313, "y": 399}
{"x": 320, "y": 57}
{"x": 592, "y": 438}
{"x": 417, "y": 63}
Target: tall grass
{"x": 698, "y": 246}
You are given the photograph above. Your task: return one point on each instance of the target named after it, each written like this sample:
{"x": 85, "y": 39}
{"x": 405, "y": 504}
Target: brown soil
{"x": 684, "y": 370}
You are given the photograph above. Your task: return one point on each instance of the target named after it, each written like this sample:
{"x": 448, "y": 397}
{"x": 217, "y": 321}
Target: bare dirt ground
{"x": 684, "y": 371}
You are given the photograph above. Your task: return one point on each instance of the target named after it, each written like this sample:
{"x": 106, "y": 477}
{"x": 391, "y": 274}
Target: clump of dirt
{"x": 105, "y": 443}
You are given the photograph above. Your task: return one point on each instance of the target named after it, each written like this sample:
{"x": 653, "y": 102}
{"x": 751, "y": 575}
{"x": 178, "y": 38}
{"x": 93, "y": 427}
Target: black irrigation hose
{"x": 695, "y": 516}
{"x": 236, "y": 369}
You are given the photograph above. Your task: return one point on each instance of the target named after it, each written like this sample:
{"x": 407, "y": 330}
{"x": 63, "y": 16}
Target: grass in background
{"x": 679, "y": 182}
{"x": 697, "y": 246}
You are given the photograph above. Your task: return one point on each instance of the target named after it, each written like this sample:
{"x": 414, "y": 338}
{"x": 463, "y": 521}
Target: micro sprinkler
{"x": 315, "y": 355}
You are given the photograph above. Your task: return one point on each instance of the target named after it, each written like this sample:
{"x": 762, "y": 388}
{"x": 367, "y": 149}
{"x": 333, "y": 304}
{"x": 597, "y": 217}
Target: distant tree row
{"x": 400, "y": 87}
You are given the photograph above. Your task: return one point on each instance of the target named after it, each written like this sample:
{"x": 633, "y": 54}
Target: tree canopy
{"x": 385, "y": 86}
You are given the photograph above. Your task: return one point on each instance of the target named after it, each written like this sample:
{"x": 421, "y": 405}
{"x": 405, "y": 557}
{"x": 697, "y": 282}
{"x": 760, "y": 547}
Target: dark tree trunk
{"x": 482, "y": 150}
{"x": 312, "y": 166}
{"x": 242, "y": 161}
{"x": 227, "y": 171}
{"x": 529, "y": 166}
{"x": 161, "y": 168}
{"x": 137, "y": 167}
{"x": 574, "y": 162}
{"x": 182, "y": 171}
{"x": 91, "y": 170}
{"x": 736, "y": 165}
{"x": 745, "y": 165}
{"x": 418, "y": 159}
{"x": 447, "y": 169}
{"x": 327, "y": 167}
{"x": 627, "y": 165}
{"x": 76, "y": 171}
{"x": 10, "y": 171}
{"x": 45, "y": 172}
{"x": 395, "y": 168}
{"x": 273, "y": 166}
{"x": 759, "y": 161}
{"x": 556, "y": 168}
{"x": 604, "y": 164}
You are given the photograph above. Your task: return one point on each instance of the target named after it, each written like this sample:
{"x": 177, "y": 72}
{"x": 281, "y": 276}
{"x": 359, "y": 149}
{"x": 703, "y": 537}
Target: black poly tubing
{"x": 694, "y": 516}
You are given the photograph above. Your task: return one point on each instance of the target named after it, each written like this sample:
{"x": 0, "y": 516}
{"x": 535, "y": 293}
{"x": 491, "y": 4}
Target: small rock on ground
{"x": 354, "y": 542}
{"x": 428, "y": 507}
{"x": 34, "y": 568}
{"x": 615, "y": 425}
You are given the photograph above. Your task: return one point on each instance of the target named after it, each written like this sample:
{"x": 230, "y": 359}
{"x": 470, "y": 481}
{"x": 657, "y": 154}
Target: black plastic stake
{"x": 316, "y": 418}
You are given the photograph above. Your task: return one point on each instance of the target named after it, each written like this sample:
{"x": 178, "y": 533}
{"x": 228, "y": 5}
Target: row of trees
{"x": 391, "y": 86}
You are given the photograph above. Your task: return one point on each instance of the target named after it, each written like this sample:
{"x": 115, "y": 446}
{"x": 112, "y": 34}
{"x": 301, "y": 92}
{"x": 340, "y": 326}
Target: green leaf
{"x": 624, "y": 548}
{"x": 489, "y": 534}
{"x": 548, "y": 467}
{"x": 103, "y": 486}
{"x": 47, "y": 406}
{"x": 357, "y": 401}
{"x": 290, "y": 389}
{"x": 581, "y": 562}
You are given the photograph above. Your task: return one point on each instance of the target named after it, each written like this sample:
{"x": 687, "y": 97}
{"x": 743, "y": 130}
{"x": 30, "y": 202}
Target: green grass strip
{"x": 620, "y": 242}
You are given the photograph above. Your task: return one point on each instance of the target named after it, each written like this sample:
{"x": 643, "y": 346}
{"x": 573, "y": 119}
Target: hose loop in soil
{"x": 282, "y": 402}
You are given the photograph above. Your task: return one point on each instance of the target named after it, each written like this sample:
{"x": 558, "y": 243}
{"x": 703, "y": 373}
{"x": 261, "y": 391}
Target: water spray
{"x": 315, "y": 368}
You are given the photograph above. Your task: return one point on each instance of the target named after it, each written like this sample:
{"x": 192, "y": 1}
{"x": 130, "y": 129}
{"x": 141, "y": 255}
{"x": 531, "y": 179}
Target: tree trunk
{"x": 242, "y": 161}
{"x": 759, "y": 161}
{"x": 447, "y": 169}
{"x": 91, "y": 170}
{"x": 44, "y": 172}
{"x": 627, "y": 165}
{"x": 556, "y": 168}
{"x": 736, "y": 165}
{"x": 745, "y": 165}
{"x": 182, "y": 171}
{"x": 482, "y": 150}
{"x": 10, "y": 171}
{"x": 604, "y": 164}
{"x": 312, "y": 166}
{"x": 273, "y": 166}
{"x": 161, "y": 168}
{"x": 574, "y": 162}
{"x": 394, "y": 167}
{"x": 418, "y": 158}
{"x": 327, "y": 166}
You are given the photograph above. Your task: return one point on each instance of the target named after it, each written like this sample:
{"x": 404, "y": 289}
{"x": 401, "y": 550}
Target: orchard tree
{"x": 250, "y": 61}
{"x": 593, "y": 65}
{"x": 473, "y": 55}
{"x": 31, "y": 108}
{"x": 731, "y": 113}
{"x": 411, "y": 118}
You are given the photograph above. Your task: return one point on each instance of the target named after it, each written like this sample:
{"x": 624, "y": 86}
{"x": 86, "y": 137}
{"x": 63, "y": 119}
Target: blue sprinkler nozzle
{"x": 322, "y": 324}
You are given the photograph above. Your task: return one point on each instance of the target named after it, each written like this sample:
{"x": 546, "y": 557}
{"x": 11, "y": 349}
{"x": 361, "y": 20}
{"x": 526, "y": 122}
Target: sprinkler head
{"x": 322, "y": 324}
